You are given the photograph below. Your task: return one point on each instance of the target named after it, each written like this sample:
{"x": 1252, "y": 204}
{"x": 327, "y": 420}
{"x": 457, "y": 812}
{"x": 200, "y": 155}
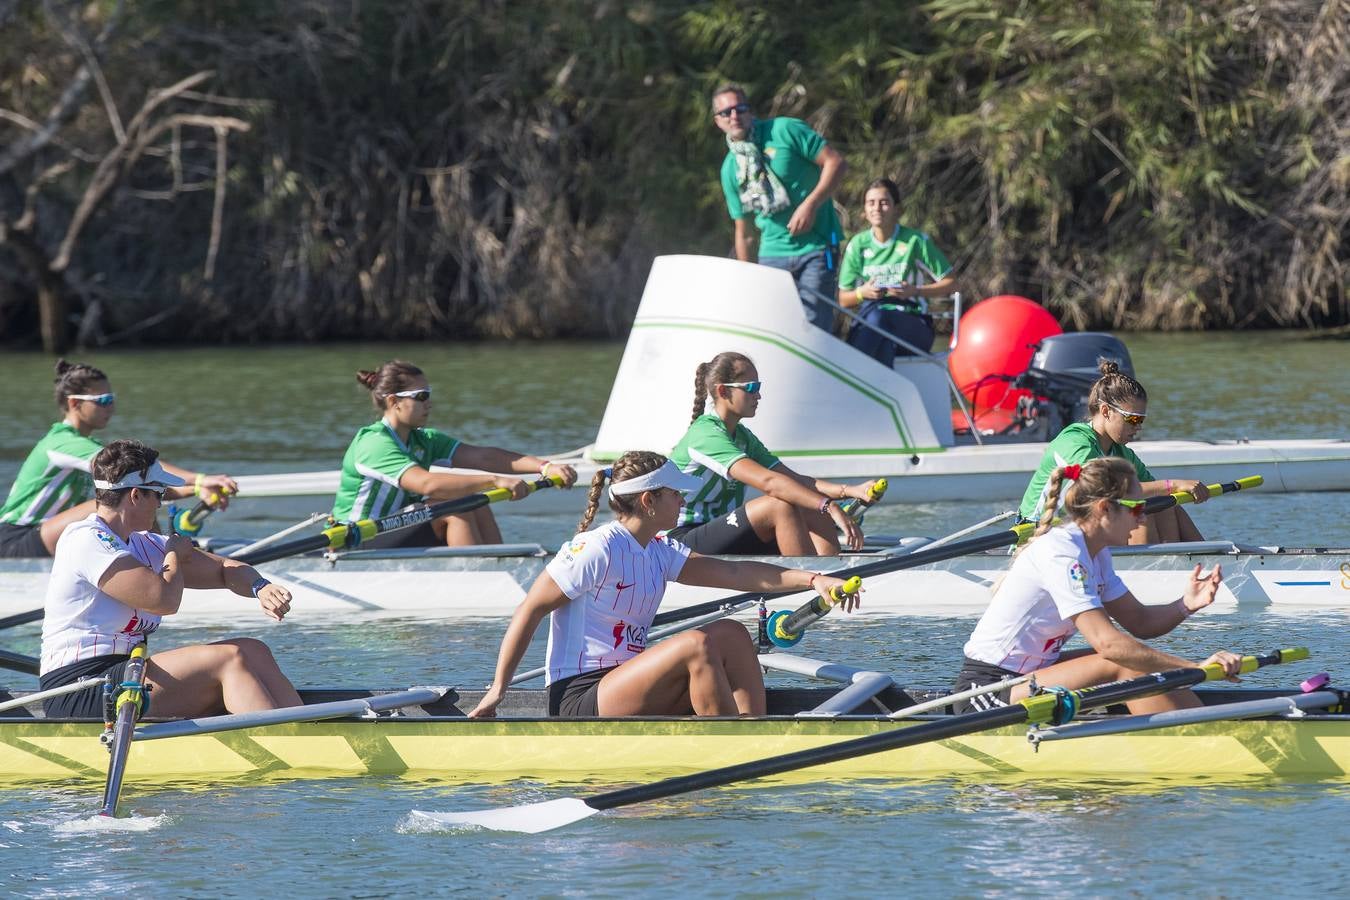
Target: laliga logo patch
{"x": 111, "y": 541}
{"x": 576, "y": 546}
{"x": 1078, "y": 575}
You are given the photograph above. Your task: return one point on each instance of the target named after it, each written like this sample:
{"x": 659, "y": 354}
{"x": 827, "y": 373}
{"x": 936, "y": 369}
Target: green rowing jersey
{"x": 907, "y": 256}
{"x": 1075, "y": 444}
{"x": 374, "y": 463}
{"x": 790, "y": 149}
{"x": 707, "y": 452}
{"x": 53, "y": 478}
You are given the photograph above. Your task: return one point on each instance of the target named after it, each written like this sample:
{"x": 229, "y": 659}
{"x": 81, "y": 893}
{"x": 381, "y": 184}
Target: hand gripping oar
{"x": 785, "y": 628}
{"x": 189, "y": 522}
{"x": 1055, "y": 706}
{"x": 920, "y": 557}
{"x": 117, "y": 733}
{"x": 351, "y": 534}
{"x": 1176, "y": 498}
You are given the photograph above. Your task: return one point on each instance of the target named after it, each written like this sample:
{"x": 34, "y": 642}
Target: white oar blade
{"x": 531, "y": 818}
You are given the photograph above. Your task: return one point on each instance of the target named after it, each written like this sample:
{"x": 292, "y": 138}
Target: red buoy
{"x": 997, "y": 339}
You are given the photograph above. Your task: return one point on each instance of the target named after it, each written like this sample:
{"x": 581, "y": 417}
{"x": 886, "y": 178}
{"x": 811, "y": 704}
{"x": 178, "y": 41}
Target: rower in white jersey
{"x": 1063, "y": 582}
{"x": 113, "y": 579}
{"x": 602, "y": 591}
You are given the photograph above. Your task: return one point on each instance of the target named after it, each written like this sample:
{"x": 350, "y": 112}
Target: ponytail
{"x": 390, "y": 378}
{"x": 721, "y": 369}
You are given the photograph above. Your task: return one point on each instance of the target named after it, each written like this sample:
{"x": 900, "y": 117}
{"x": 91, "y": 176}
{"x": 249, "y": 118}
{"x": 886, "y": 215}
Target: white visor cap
{"x": 155, "y": 476}
{"x": 668, "y": 476}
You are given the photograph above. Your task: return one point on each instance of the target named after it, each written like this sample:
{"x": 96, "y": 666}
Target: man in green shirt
{"x": 782, "y": 174}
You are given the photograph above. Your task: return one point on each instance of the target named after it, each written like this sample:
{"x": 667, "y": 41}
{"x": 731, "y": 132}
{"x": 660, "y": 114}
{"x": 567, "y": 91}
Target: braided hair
{"x": 632, "y": 464}
{"x": 1104, "y": 478}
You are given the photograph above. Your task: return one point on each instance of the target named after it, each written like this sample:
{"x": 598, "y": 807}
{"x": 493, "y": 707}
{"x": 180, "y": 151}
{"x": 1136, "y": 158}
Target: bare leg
{"x": 824, "y": 533}
{"x": 1186, "y": 530}
{"x": 1091, "y": 668}
{"x": 52, "y": 528}
{"x": 776, "y": 522}
{"x": 477, "y": 526}
{"x": 238, "y": 675}
{"x": 712, "y": 671}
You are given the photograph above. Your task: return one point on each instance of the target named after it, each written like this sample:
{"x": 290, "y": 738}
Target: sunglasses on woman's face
{"x": 1132, "y": 418}
{"x": 421, "y": 395}
{"x": 1136, "y": 507}
{"x": 97, "y": 399}
{"x": 750, "y": 387}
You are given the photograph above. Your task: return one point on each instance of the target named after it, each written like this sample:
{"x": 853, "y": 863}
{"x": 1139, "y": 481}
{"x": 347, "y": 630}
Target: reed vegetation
{"x": 309, "y": 169}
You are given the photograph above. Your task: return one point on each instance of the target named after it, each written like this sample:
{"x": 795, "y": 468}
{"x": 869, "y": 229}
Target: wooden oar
{"x": 117, "y": 733}
{"x": 785, "y": 628}
{"x": 351, "y": 534}
{"x": 1056, "y": 706}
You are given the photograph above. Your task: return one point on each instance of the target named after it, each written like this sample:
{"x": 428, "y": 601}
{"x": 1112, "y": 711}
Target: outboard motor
{"x": 1064, "y": 368}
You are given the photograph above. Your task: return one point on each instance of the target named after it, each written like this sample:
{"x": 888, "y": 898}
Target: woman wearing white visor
{"x": 602, "y": 591}
{"x": 113, "y": 579}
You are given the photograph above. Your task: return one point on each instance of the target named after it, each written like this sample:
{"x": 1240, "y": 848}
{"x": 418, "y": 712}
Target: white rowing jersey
{"x": 615, "y": 585}
{"x": 1031, "y": 615}
{"x": 80, "y": 621}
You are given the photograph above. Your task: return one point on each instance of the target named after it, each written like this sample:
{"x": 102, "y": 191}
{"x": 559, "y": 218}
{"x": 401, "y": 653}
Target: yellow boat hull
{"x": 616, "y": 751}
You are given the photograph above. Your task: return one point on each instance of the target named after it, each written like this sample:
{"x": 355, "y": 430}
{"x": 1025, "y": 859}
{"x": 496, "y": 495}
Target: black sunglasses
{"x": 741, "y": 108}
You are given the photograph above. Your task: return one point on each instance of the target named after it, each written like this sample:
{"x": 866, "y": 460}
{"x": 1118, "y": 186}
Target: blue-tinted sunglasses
{"x": 98, "y": 399}
{"x": 750, "y": 387}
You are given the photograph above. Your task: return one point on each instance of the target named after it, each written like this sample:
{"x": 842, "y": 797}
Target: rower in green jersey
{"x": 387, "y": 466}
{"x": 54, "y": 487}
{"x": 797, "y": 516}
{"x": 1117, "y": 405}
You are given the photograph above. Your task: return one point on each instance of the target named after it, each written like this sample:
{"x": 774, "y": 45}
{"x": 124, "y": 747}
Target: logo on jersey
{"x": 622, "y": 587}
{"x": 732, "y": 520}
{"x": 576, "y": 547}
{"x": 108, "y": 539}
{"x": 1078, "y": 575}
{"x": 137, "y": 625}
{"x": 634, "y": 635}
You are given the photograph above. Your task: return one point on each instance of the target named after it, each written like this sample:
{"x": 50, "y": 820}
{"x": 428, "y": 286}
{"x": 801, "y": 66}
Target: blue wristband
{"x": 259, "y": 585}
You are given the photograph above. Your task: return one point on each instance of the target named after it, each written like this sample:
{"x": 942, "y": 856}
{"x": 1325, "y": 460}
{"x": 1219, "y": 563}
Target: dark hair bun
{"x": 62, "y": 367}
{"x": 1108, "y": 367}
{"x": 367, "y": 378}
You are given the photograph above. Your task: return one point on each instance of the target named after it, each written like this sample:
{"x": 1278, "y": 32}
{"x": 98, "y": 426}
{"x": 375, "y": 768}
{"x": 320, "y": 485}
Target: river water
{"x": 292, "y": 408}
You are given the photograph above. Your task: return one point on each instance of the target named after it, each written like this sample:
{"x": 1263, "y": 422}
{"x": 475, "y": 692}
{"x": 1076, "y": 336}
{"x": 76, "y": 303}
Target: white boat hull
{"x": 444, "y": 587}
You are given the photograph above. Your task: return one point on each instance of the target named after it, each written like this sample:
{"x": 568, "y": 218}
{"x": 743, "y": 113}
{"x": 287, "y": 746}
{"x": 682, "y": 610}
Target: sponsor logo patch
{"x": 108, "y": 539}
{"x": 1078, "y": 575}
